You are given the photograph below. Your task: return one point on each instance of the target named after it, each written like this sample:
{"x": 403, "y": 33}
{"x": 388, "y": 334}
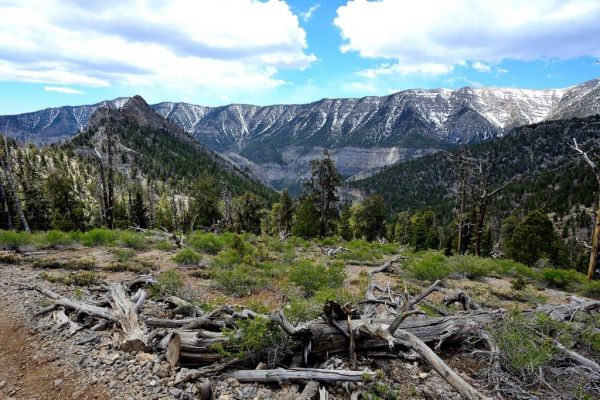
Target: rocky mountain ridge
{"x": 276, "y": 142}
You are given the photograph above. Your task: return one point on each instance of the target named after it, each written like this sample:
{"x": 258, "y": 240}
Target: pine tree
{"x": 204, "y": 207}
{"x": 306, "y": 219}
{"x": 322, "y": 188}
{"x": 247, "y": 213}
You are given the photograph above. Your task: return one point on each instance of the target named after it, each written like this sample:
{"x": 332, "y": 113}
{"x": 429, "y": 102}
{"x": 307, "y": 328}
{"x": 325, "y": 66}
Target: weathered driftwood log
{"x": 311, "y": 390}
{"x": 194, "y": 348}
{"x": 141, "y": 281}
{"x": 60, "y": 319}
{"x": 280, "y": 375}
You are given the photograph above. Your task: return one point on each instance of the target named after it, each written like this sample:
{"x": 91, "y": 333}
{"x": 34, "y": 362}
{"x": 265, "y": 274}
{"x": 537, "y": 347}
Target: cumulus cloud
{"x": 451, "y": 32}
{"x": 63, "y": 89}
{"x": 406, "y": 69}
{"x": 213, "y": 43}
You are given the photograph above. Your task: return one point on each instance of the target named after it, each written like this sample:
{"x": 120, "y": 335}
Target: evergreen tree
{"x": 247, "y": 213}
{"x": 344, "y": 227}
{"x": 372, "y": 216}
{"x": 306, "y": 219}
{"x": 533, "y": 239}
{"x": 204, "y": 207}
{"x": 403, "y": 228}
{"x": 66, "y": 210}
{"x": 138, "y": 211}
{"x": 322, "y": 188}
{"x": 35, "y": 198}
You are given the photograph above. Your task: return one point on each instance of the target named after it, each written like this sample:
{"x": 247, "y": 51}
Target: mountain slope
{"x": 277, "y": 142}
{"x": 548, "y": 173}
{"x": 156, "y": 148}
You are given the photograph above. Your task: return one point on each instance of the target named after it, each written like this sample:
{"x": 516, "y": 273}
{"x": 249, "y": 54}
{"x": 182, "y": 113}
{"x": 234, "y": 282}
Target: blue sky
{"x": 214, "y": 52}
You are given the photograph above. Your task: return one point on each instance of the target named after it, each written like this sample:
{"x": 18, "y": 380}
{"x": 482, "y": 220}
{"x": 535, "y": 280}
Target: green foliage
{"x": 54, "y": 238}
{"x": 247, "y": 213}
{"x": 424, "y": 233}
{"x": 383, "y": 391}
{"x": 14, "y": 240}
{"x": 99, "y": 237}
{"x": 591, "y": 289}
{"x": 361, "y": 250}
{"x": 210, "y": 243}
{"x": 168, "y": 283}
{"x": 519, "y": 283}
{"x": 124, "y": 254}
{"x": 313, "y": 277}
{"x": 533, "y": 239}
{"x": 132, "y": 240}
{"x": 164, "y": 245}
{"x": 368, "y": 218}
{"x": 301, "y": 308}
{"x": 561, "y": 278}
{"x": 306, "y": 219}
{"x": 429, "y": 266}
{"x": 140, "y": 267}
{"x": 241, "y": 279}
{"x": 252, "y": 337}
{"x": 83, "y": 278}
{"x": 187, "y": 257}
{"x": 523, "y": 349}
{"x": 205, "y": 203}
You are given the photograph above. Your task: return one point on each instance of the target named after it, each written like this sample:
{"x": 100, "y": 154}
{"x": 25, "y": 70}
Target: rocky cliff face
{"x": 276, "y": 142}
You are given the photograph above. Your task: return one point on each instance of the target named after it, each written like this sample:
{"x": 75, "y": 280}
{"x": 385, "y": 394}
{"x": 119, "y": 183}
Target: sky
{"x": 216, "y": 52}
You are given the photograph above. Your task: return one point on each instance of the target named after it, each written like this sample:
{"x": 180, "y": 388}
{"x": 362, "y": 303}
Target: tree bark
{"x": 594, "y": 265}
{"x": 300, "y": 374}
{"x": 7, "y": 166}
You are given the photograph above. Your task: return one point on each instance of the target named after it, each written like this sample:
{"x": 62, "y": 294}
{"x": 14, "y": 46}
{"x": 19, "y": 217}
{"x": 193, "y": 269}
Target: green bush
{"x": 312, "y": 277}
{"x": 164, "y": 245}
{"x": 168, "y": 282}
{"x": 431, "y": 266}
{"x": 561, "y": 278}
{"x": 83, "y": 278}
{"x": 591, "y": 289}
{"x": 133, "y": 240}
{"x": 54, "y": 238}
{"x": 210, "y": 243}
{"x": 241, "y": 279}
{"x": 361, "y": 250}
{"x": 99, "y": 237}
{"x": 251, "y": 338}
{"x": 86, "y": 263}
{"x": 187, "y": 257}
{"x": 519, "y": 283}
{"x": 124, "y": 254}
{"x": 14, "y": 240}
{"x": 523, "y": 349}
{"x": 470, "y": 267}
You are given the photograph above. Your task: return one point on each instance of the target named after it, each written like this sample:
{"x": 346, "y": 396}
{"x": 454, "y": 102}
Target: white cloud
{"x": 360, "y": 87}
{"x": 63, "y": 89}
{"x": 481, "y": 66}
{"x": 215, "y": 44}
{"x": 307, "y": 15}
{"x": 433, "y": 32}
{"x": 406, "y": 69}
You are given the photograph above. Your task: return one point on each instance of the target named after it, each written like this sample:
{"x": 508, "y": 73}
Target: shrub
{"x": 10, "y": 258}
{"x": 312, "y": 277}
{"x": 124, "y": 254}
{"x": 55, "y": 239}
{"x": 187, "y": 257}
{"x": 99, "y": 237}
{"x": 240, "y": 279}
{"x": 164, "y": 245}
{"x": 14, "y": 240}
{"x": 523, "y": 349}
{"x": 561, "y": 278}
{"x": 132, "y": 240}
{"x": 253, "y": 337}
{"x": 83, "y": 278}
{"x": 430, "y": 267}
{"x": 87, "y": 263}
{"x": 168, "y": 282}
{"x": 519, "y": 283}
{"x": 591, "y": 289}
{"x": 210, "y": 243}
{"x": 470, "y": 267}
{"x": 130, "y": 266}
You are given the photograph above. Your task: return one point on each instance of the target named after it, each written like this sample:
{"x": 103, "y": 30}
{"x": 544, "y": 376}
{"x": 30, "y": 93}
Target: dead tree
{"x": 485, "y": 167}
{"x": 594, "y": 264}
{"x": 10, "y": 183}
{"x": 462, "y": 169}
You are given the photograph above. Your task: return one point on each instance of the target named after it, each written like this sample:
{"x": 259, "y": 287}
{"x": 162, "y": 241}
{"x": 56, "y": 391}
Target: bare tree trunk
{"x": 7, "y": 166}
{"x": 594, "y": 268}
{"x": 480, "y": 220}
{"x": 111, "y": 190}
{"x": 6, "y": 208}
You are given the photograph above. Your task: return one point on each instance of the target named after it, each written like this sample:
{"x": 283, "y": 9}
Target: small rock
{"x": 423, "y": 375}
{"x": 88, "y": 338}
{"x": 175, "y": 392}
{"x": 58, "y": 382}
{"x": 144, "y": 357}
{"x": 2, "y": 384}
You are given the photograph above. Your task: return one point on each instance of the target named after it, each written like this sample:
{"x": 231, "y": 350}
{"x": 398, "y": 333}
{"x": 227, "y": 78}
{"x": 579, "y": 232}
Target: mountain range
{"x": 276, "y": 143}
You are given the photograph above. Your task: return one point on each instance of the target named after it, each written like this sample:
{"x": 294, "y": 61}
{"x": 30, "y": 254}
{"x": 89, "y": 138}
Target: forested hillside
{"x": 131, "y": 167}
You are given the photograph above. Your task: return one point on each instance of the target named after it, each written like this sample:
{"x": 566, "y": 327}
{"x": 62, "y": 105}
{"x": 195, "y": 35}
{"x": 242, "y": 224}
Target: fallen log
{"x": 281, "y": 375}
